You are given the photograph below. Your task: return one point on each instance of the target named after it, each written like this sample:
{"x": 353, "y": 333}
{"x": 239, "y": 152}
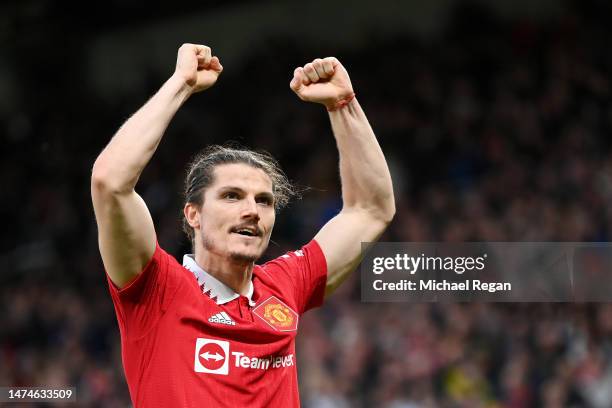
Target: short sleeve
{"x": 140, "y": 304}
{"x": 302, "y": 273}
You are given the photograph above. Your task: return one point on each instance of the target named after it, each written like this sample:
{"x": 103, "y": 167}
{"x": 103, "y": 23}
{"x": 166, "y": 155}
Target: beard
{"x": 236, "y": 256}
{"x": 243, "y": 258}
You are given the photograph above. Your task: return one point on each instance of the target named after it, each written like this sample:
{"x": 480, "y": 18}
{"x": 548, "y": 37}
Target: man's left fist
{"x": 323, "y": 81}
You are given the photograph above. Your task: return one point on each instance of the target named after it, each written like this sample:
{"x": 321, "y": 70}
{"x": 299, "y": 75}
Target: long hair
{"x": 200, "y": 175}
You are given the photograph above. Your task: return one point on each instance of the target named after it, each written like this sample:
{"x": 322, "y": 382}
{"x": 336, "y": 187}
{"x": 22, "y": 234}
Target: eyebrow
{"x": 225, "y": 189}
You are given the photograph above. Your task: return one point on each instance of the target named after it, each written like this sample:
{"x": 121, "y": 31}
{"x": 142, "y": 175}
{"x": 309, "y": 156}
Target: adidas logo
{"x": 222, "y": 318}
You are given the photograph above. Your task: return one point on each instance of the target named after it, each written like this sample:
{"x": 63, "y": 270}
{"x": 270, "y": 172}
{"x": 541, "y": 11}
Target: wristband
{"x": 342, "y": 102}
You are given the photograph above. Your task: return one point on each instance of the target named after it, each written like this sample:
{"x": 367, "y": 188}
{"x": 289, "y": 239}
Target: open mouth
{"x": 246, "y": 231}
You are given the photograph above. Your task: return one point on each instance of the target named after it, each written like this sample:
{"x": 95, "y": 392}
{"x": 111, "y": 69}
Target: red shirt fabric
{"x": 180, "y": 348}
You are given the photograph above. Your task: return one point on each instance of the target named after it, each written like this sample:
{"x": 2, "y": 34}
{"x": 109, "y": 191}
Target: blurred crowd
{"x": 495, "y": 130}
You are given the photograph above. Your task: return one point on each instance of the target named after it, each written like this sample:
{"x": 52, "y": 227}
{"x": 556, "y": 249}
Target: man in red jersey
{"x": 220, "y": 330}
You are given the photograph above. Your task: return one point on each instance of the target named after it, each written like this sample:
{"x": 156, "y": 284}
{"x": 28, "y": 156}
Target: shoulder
{"x": 311, "y": 252}
{"x": 298, "y": 274}
{"x": 162, "y": 269}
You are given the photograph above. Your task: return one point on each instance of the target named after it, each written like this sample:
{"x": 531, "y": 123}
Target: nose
{"x": 249, "y": 209}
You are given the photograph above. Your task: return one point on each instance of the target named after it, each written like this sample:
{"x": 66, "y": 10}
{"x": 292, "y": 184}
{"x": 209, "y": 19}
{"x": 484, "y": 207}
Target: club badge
{"x": 277, "y": 314}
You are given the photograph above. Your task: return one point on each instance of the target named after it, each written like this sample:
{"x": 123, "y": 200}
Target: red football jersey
{"x": 188, "y": 340}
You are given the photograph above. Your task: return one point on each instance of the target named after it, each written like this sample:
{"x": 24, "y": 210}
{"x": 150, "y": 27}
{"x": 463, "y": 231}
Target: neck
{"x": 234, "y": 274}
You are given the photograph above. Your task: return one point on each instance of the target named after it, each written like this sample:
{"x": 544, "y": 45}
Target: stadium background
{"x": 496, "y": 122}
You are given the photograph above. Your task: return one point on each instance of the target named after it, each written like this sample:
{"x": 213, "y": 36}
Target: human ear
{"x": 192, "y": 215}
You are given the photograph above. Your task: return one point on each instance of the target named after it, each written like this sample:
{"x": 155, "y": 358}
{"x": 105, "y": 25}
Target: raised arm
{"x": 367, "y": 192}
{"x": 126, "y": 235}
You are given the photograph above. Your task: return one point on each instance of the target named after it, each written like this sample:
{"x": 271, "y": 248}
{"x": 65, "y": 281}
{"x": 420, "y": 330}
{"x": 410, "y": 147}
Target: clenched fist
{"x": 323, "y": 81}
{"x": 197, "y": 67}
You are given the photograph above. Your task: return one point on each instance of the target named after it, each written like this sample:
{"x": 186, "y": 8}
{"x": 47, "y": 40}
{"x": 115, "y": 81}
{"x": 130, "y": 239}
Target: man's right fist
{"x": 197, "y": 67}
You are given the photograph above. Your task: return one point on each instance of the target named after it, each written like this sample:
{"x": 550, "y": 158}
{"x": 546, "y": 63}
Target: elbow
{"x": 105, "y": 181}
{"x": 381, "y": 205}
{"x": 390, "y": 214}
{"x": 99, "y": 180}
{"x": 386, "y": 213}
{"x": 384, "y": 210}
{"x": 381, "y": 214}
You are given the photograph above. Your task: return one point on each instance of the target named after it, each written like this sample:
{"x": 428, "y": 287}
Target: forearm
{"x": 120, "y": 164}
{"x": 364, "y": 174}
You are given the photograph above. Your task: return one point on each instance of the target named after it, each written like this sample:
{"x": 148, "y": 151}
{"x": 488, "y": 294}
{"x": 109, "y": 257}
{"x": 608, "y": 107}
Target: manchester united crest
{"x": 277, "y": 314}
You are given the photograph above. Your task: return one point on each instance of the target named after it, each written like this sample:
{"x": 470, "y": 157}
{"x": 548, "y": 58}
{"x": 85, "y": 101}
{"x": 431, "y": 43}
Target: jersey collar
{"x": 217, "y": 290}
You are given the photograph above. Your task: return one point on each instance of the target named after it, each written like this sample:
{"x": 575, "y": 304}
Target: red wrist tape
{"x": 341, "y": 103}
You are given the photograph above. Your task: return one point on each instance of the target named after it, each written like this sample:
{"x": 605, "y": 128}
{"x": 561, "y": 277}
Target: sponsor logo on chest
{"x": 215, "y": 357}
